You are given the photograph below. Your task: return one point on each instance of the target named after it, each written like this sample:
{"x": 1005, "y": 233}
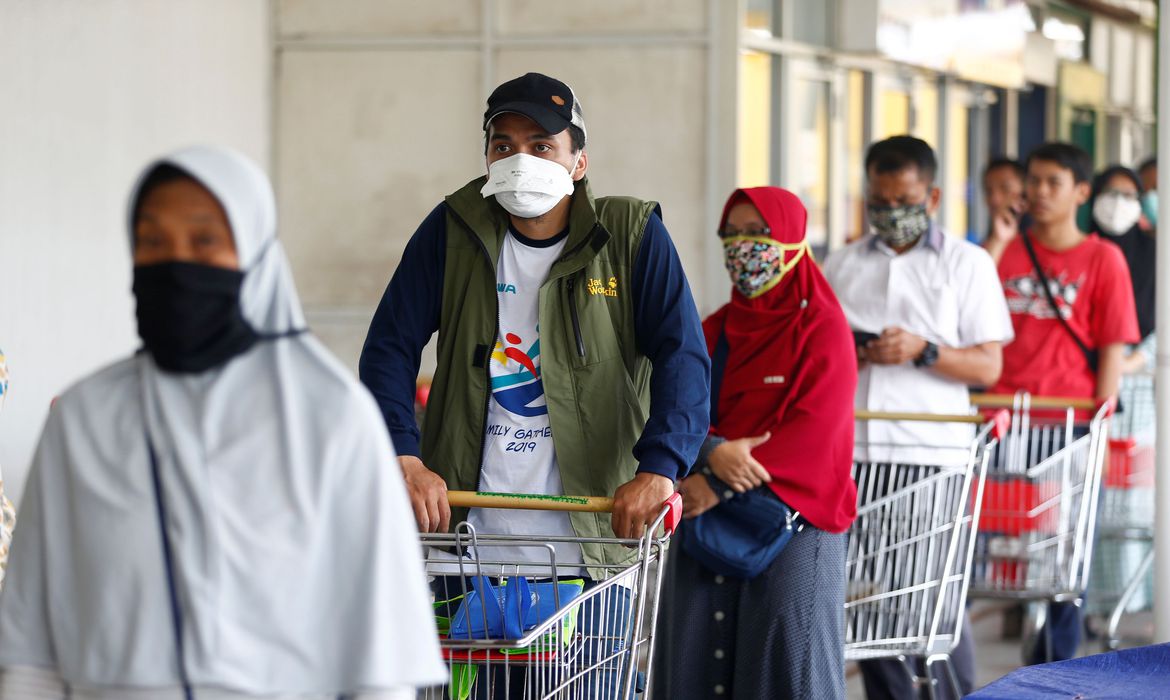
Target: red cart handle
{"x": 674, "y": 509}
{"x": 1002, "y": 421}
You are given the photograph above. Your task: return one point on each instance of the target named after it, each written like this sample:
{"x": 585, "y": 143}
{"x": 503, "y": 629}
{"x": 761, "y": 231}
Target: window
{"x": 855, "y": 144}
{"x": 925, "y": 121}
{"x": 806, "y": 21}
{"x": 1068, "y": 32}
{"x": 808, "y": 154}
{"x": 893, "y": 113}
{"x": 755, "y": 119}
{"x": 960, "y": 190}
{"x": 760, "y": 17}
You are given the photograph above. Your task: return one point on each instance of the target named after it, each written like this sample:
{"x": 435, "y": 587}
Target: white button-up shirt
{"x": 944, "y": 290}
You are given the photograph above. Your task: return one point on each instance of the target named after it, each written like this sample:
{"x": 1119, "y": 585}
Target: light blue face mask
{"x": 1150, "y": 207}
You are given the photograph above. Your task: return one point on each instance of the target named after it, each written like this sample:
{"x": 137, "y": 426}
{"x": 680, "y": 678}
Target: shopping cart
{"x": 1122, "y": 570}
{"x": 548, "y": 629}
{"x": 1040, "y": 503}
{"x": 910, "y": 548}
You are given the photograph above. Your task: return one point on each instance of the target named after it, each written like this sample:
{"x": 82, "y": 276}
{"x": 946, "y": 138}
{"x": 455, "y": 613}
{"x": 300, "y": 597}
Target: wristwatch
{"x": 928, "y": 357}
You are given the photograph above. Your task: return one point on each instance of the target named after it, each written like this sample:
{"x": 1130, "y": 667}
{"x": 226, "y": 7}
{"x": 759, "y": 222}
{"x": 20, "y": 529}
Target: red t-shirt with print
{"x": 1091, "y": 286}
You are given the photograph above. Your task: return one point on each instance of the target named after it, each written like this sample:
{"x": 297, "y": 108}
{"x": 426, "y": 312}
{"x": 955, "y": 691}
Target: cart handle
{"x": 578, "y": 504}
{"x": 1060, "y": 402}
{"x": 920, "y": 417}
{"x": 1000, "y": 421}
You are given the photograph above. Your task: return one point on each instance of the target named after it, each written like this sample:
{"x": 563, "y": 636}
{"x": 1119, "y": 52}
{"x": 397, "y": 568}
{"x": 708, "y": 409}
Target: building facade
{"x": 378, "y": 105}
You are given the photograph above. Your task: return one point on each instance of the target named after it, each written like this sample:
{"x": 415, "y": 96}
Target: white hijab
{"x": 296, "y": 558}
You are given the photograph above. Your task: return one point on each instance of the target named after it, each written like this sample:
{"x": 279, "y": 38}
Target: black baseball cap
{"x": 546, "y": 101}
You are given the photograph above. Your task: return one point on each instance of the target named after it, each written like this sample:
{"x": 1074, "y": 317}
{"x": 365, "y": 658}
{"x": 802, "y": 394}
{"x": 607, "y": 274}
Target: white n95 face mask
{"x": 527, "y": 186}
{"x": 1117, "y": 213}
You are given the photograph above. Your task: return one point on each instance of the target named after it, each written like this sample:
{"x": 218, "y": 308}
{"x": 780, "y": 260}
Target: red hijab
{"x": 791, "y": 369}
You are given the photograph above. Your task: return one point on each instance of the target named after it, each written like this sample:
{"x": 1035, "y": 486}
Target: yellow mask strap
{"x": 785, "y": 266}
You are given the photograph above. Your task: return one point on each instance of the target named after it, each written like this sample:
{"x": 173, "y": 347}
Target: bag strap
{"x": 1090, "y": 355}
{"x": 718, "y": 362}
{"x": 517, "y": 603}
{"x": 169, "y": 561}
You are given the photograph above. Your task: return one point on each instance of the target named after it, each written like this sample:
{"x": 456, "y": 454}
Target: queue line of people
{"x": 227, "y": 514}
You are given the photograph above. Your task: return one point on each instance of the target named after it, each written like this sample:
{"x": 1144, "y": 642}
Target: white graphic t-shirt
{"x": 518, "y": 454}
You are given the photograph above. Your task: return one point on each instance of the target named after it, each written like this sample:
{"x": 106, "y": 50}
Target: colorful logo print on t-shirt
{"x": 1025, "y": 295}
{"x": 519, "y": 385}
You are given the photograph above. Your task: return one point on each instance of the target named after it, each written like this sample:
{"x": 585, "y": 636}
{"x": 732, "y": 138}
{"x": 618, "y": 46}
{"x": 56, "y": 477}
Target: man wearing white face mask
{"x": 552, "y": 308}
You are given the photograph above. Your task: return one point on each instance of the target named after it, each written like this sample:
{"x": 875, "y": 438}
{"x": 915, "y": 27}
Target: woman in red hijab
{"x": 782, "y": 426}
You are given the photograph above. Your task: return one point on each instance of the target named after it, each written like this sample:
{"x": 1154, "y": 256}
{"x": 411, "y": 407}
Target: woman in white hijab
{"x": 221, "y": 515}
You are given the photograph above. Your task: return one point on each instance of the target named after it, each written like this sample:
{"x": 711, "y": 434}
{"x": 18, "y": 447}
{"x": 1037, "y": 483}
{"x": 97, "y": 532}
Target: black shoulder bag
{"x": 1091, "y": 356}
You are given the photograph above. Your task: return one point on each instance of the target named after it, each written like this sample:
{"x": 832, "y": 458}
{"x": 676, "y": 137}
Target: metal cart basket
{"x": 1040, "y": 502}
{"x": 910, "y": 548}
{"x": 548, "y": 629}
{"x": 1122, "y": 569}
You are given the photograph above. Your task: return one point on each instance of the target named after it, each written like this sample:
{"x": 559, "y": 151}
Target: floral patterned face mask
{"x": 758, "y": 263}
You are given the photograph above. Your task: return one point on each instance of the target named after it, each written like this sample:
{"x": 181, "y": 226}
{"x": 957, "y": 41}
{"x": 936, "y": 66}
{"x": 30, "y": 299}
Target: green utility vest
{"x": 596, "y": 383}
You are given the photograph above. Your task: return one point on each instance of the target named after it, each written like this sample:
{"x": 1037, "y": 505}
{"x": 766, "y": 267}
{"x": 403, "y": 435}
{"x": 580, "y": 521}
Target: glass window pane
{"x": 809, "y": 165}
{"x": 894, "y": 113}
{"x": 1145, "y": 61}
{"x": 959, "y": 188}
{"x": 810, "y": 22}
{"x": 926, "y": 112}
{"x": 755, "y": 115}
{"x": 1121, "y": 73}
{"x": 1144, "y": 143}
{"x": 759, "y": 16}
{"x": 855, "y": 157}
{"x": 1068, "y": 32}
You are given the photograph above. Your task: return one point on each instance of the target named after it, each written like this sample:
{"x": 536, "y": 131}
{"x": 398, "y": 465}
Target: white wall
{"x": 91, "y": 91}
{"x": 379, "y": 106}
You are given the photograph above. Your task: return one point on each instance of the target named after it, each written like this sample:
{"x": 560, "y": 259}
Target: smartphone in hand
{"x": 861, "y": 338}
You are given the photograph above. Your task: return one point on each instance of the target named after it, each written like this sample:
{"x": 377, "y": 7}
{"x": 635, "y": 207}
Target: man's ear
{"x": 1083, "y": 190}
{"x": 582, "y": 166}
{"x": 933, "y": 201}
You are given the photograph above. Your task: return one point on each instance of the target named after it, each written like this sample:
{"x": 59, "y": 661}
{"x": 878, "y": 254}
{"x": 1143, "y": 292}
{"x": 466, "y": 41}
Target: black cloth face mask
{"x": 189, "y": 315}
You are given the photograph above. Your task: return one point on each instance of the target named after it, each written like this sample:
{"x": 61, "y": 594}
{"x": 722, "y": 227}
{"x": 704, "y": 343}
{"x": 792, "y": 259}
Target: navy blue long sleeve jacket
{"x": 667, "y": 328}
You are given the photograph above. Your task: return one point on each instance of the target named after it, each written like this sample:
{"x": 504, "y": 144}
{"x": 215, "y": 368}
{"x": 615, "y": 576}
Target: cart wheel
{"x": 1035, "y": 615}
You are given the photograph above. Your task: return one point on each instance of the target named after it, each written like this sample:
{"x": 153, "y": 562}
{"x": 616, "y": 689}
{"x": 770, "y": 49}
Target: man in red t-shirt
{"x": 1089, "y": 281}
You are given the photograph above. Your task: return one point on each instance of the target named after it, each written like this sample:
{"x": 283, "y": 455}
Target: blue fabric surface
{"x": 1126, "y": 675}
{"x": 516, "y": 607}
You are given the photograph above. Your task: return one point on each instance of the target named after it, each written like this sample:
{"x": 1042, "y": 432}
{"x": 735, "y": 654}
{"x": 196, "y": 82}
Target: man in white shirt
{"x": 929, "y": 317}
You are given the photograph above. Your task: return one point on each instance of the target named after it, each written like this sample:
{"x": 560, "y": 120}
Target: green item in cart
{"x": 444, "y": 611}
{"x": 462, "y": 681}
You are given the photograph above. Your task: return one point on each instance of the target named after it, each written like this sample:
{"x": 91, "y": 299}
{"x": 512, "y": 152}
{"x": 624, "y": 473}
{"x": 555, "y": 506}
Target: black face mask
{"x": 189, "y": 315}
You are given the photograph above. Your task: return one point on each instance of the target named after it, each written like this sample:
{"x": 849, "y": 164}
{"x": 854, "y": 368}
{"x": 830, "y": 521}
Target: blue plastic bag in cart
{"x": 511, "y": 610}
